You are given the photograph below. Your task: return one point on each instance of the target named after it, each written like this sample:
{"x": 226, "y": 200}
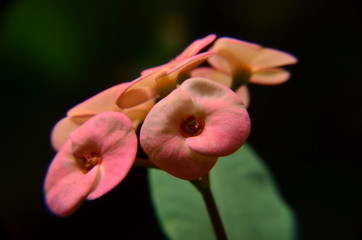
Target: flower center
{"x": 192, "y": 126}
{"x": 89, "y": 160}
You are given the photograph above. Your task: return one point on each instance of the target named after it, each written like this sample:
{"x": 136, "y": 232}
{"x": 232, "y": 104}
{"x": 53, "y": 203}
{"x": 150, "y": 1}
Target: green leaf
{"x": 244, "y": 191}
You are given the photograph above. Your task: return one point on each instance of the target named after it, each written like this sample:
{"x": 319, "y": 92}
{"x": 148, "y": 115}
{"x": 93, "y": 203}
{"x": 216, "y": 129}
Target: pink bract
{"x": 186, "y": 132}
{"x": 95, "y": 159}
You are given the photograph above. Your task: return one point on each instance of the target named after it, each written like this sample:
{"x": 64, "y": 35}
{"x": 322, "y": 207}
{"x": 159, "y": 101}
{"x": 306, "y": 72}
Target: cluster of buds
{"x": 184, "y": 114}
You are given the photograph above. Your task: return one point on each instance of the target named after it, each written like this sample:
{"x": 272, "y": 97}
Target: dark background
{"x": 308, "y": 131}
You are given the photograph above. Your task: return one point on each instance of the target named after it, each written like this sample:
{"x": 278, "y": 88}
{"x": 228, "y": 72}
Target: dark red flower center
{"x": 89, "y": 160}
{"x": 192, "y": 126}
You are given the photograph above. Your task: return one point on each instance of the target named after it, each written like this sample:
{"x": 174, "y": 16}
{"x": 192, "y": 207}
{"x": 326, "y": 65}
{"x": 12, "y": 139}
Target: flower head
{"x": 186, "y": 132}
{"x": 101, "y": 102}
{"x": 194, "y": 48}
{"x": 160, "y": 81}
{"x": 250, "y": 62}
{"x": 95, "y": 158}
{"x": 237, "y": 63}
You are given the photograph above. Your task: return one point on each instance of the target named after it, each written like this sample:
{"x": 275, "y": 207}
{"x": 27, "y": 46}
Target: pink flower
{"x": 160, "y": 81}
{"x": 101, "y": 102}
{"x": 186, "y": 132}
{"x": 237, "y": 63}
{"x": 95, "y": 158}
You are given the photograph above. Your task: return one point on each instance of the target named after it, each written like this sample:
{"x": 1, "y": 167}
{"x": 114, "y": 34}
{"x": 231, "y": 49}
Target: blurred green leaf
{"x": 246, "y": 195}
{"x": 39, "y": 36}
{"x": 58, "y": 42}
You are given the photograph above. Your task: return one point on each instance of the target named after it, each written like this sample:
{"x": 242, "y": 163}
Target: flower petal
{"x": 66, "y": 186}
{"x": 169, "y": 80}
{"x": 194, "y": 48}
{"x": 188, "y": 64}
{"x": 109, "y": 135}
{"x": 149, "y": 71}
{"x": 180, "y": 161}
{"x": 112, "y": 135}
{"x": 62, "y": 129}
{"x": 102, "y": 102}
{"x": 270, "y": 58}
{"x": 137, "y": 114}
{"x": 226, "y": 130}
{"x": 270, "y": 76}
{"x": 232, "y": 54}
{"x": 211, "y": 73}
{"x": 135, "y": 96}
{"x": 209, "y": 95}
{"x": 227, "y": 123}
{"x": 224, "y": 79}
{"x": 139, "y": 90}
{"x": 148, "y": 87}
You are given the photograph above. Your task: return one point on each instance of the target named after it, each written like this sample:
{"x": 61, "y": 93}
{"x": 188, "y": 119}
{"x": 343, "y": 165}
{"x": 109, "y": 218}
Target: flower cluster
{"x": 189, "y": 112}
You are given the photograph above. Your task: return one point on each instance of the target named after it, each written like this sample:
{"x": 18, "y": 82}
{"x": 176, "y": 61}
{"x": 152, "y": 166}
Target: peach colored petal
{"x": 66, "y": 187}
{"x": 211, "y": 73}
{"x": 244, "y": 94}
{"x": 270, "y": 76}
{"x": 169, "y": 80}
{"x": 188, "y": 64}
{"x": 137, "y": 114}
{"x": 232, "y": 54}
{"x": 194, "y": 48}
{"x": 226, "y": 130}
{"x": 112, "y": 135}
{"x": 63, "y": 128}
{"x": 270, "y": 58}
{"x": 102, "y": 102}
{"x": 148, "y": 87}
{"x": 140, "y": 90}
{"x": 149, "y": 71}
{"x": 135, "y": 96}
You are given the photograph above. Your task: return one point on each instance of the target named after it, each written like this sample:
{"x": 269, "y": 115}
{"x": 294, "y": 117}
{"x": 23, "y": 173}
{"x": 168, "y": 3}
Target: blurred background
{"x": 55, "y": 54}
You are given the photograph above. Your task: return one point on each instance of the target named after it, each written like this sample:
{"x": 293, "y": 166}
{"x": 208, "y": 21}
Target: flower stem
{"x": 145, "y": 163}
{"x": 203, "y": 185}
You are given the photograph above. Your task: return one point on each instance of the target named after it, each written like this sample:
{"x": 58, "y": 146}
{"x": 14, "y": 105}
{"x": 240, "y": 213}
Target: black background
{"x": 308, "y": 130}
